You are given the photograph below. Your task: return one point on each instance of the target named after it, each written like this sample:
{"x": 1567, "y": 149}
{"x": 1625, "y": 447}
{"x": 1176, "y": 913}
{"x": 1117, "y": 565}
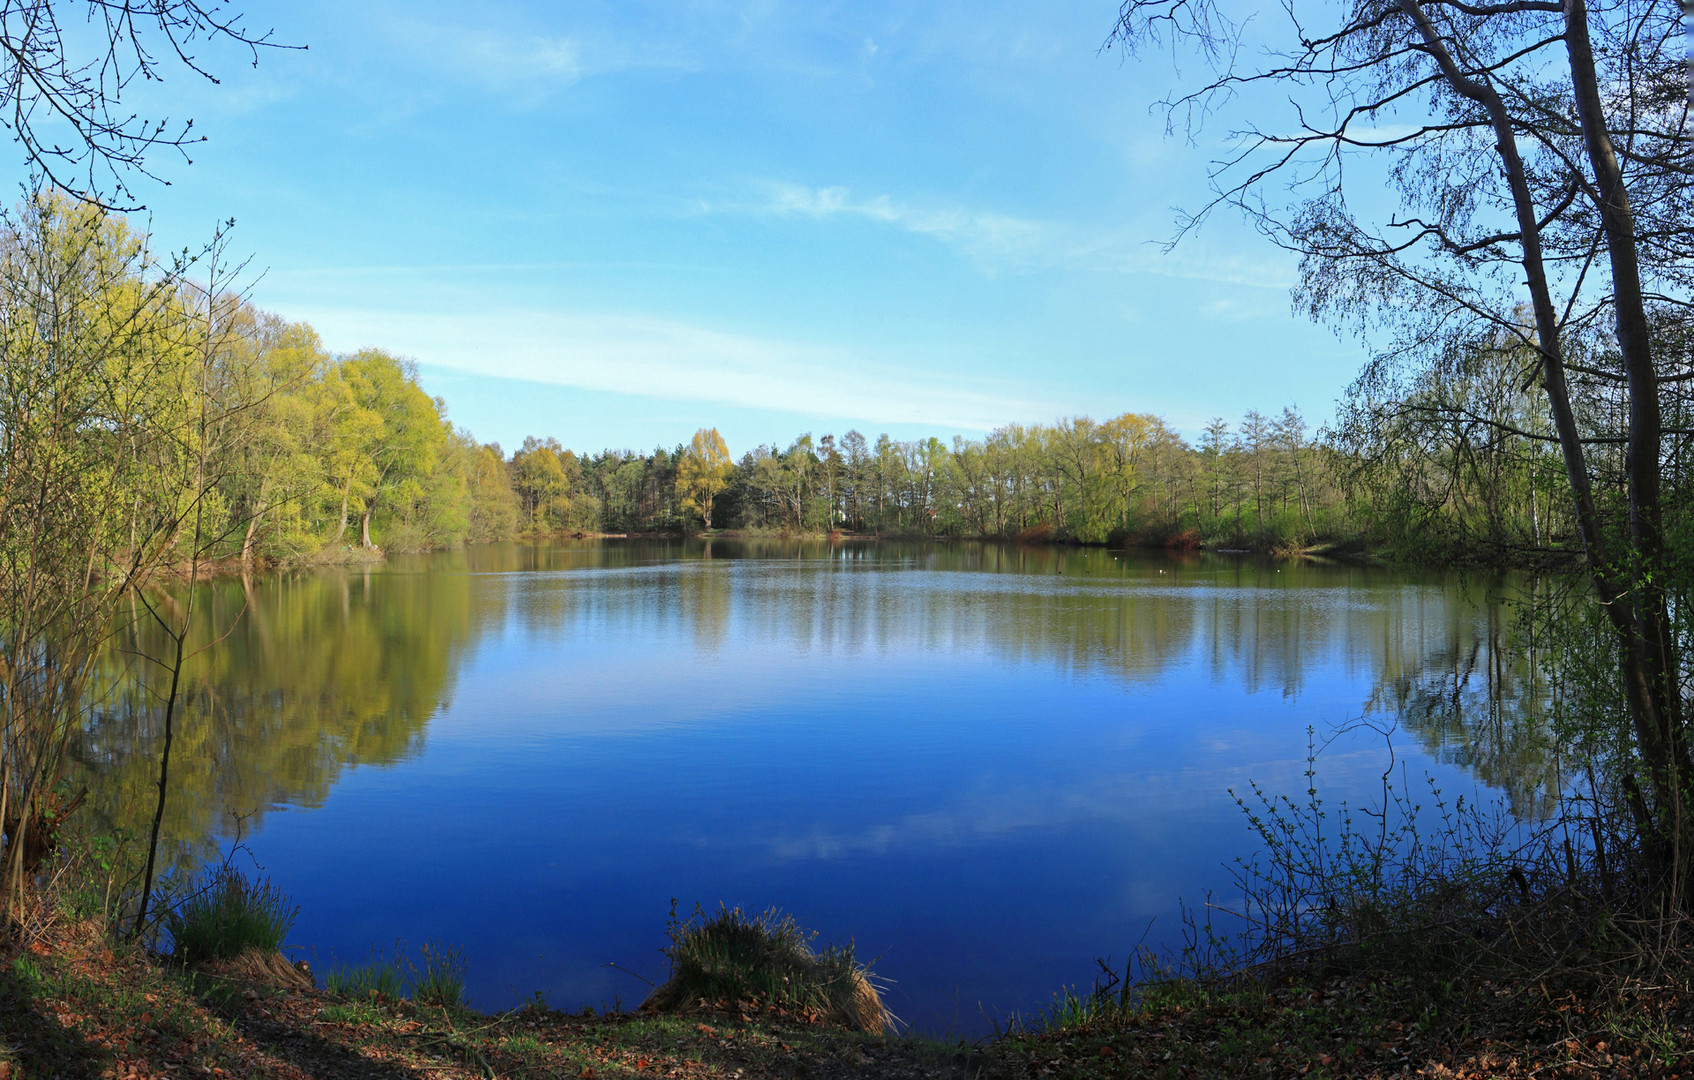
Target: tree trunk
{"x": 346, "y": 490}
{"x": 1635, "y": 609}
{"x": 1649, "y": 633}
{"x": 247, "y": 540}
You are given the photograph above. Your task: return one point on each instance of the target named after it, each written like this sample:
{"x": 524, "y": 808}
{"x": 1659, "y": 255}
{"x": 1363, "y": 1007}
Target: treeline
{"x": 1446, "y": 456}
{"x": 238, "y": 435}
{"x": 279, "y": 449}
{"x": 304, "y": 454}
{"x": 1264, "y": 482}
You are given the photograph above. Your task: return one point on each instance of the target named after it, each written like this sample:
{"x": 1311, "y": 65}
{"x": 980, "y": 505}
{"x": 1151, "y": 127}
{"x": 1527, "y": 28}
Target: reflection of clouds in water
{"x": 1146, "y": 806}
{"x": 1012, "y": 756}
{"x": 619, "y": 643}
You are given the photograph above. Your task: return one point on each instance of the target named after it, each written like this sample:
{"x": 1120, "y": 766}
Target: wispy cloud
{"x": 1005, "y": 242}
{"x": 498, "y": 60}
{"x": 674, "y": 360}
{"x": 498, "y": 57}
{"x": 990, "y": 237}
{"x": 525, "y": 64}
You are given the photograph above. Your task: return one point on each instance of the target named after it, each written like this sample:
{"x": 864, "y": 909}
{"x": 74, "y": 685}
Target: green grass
{"x": 375, "y": 979}
{"x": 524, "y": 1045}
{"x": 27, "y": 972}
{"x": 439, "y": 977}
{"x": 226, "y": 916}
{"x": 352, "y": 1012}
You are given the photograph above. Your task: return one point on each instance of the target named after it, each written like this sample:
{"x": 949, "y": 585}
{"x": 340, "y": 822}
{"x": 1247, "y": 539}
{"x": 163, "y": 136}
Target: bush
{"x": 731, "y": 961}
{"x": 227, "y": 916}
{"x": 1039, "y": 533}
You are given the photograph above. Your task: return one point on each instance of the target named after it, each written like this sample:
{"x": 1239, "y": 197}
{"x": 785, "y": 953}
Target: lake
{"x": 985, "y": 765}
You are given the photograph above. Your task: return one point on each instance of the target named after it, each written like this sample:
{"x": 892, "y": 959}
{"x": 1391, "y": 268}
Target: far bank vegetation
{"x": 316, "y": 456}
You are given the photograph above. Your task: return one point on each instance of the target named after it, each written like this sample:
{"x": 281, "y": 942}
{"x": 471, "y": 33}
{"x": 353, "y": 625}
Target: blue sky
{"x": 617, "y": 222}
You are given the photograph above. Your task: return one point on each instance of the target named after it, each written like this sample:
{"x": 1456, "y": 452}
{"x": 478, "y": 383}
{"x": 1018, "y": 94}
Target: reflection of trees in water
{"x": 335, "y": 668}
{"x": 1441, "y": 654}
{"x": 318, "y": 672}
{"x": 1468, "y": 687}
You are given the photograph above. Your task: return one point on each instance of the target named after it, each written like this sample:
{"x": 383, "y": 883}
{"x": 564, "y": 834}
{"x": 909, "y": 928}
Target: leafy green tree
{"x": 270, "y": 468}
{"x": 493, "y": 509}
{"x": 538, "y": 476}
{"x": 345, "y": 430}
{"x": 703, "y": 473}
{"x": 108, "y": 409}
{"x": 401, "y": 432}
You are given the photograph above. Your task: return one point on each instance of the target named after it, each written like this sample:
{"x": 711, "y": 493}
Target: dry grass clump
{"x": 263, "y": 967}
{"x": 731, "y": 961}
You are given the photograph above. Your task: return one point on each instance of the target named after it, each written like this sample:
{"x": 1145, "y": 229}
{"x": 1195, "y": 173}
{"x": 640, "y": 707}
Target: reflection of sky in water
{"x": 986, "y": 779}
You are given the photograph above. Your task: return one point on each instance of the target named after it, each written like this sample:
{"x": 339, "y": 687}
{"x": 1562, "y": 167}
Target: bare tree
{"x": 62, "y": 85}
{"x": 1538, "y": 159}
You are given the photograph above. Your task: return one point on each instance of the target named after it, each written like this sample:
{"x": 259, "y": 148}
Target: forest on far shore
{"x": 308, "y": 455}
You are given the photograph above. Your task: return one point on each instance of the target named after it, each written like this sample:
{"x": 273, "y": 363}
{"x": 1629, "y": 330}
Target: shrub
{"x": 1039, "y": 533}
{"x": 227, "y": 916}
{"x": 732, "y": 960}
{"x": 1183, "y": 540}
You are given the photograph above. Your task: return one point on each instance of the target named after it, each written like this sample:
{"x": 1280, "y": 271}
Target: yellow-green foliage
{"x": 704, "y": 471}
{"x": 154, "y": 378}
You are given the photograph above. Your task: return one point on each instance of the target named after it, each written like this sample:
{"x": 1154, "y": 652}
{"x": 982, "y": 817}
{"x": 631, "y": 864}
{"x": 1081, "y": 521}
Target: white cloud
{"x": 996, "y": 239}
{"x": 662, "y": 358}
{"x": 495, "y": 59}
{"x": 498, "y": 57}
{"x": 1006, "y": 242}
{"x": 527, "y": 64}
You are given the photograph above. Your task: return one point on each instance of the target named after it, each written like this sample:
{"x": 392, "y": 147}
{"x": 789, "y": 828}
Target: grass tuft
{"x": 353, "y": 1012}
{"x": 227, "y": 916}
{"x": 439, "y": 977}
{"x": 27, "y": 972}
{"x": 377, "y": 978}
{"x": 731, "y": 960}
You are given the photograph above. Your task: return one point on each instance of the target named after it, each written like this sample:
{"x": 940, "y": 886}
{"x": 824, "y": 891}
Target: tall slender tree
{"x": 1538, "y": 156}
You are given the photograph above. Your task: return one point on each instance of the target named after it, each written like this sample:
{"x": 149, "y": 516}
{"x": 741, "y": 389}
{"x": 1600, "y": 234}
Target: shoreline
{"x": 73, "y": 1003}
{"x": 1336, "y": 551}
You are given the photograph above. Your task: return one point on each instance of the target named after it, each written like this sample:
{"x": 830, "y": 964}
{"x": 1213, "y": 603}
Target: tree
{"x": 1539, "y": 156}
{"x": 1254, "y": 441}
{"x": 54, "y": 83}
{"x": 704, "y": 471}
{"x": 1289, "y": 434}
{"x": 400, "y": 432}
{"x": 1215, "y": 445}
{"x": 107, "y": 415}
{"x": 538, "y": 476}
{"x": 1075, "y": 448}
{"x": 493, "y": 509}
{"x": 269, "y": 465}
{"x": 855, "y": 456}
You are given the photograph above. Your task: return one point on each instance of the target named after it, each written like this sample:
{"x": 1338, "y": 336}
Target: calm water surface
{"x": 985, "y": 765}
